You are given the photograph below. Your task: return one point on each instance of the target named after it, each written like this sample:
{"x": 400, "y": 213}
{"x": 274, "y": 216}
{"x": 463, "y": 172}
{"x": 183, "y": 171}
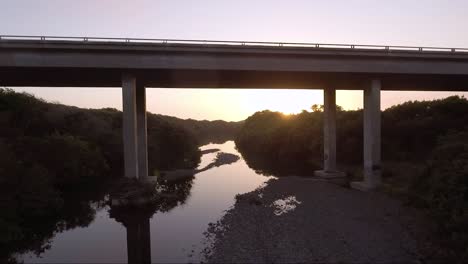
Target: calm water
{"x": 175, "y": 235}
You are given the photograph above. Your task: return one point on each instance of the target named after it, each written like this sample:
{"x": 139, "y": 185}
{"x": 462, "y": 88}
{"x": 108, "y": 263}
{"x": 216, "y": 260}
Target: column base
{"x": 363, "y": 186}
{"x": 149, "y": 179}
{"x": 336, "y": 177}
{"x": 131, "y": 201}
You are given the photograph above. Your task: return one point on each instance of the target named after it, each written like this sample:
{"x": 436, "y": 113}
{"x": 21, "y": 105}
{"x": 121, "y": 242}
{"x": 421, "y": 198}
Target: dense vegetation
{"x": 409, "y": 133}
{"x": 204, "y": 131}
{"x": 56, "y": 159}
{"x": 424, "y": 151}
{"x": 442, "y": 187}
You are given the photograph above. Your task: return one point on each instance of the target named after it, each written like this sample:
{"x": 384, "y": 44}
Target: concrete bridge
{"x": 135, "y": 64}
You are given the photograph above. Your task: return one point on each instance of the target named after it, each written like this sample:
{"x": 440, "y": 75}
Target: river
{"x": 175, "y": 234}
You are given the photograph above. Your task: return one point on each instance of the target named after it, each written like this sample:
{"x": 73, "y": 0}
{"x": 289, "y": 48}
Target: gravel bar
{"x": 296, "y": 219}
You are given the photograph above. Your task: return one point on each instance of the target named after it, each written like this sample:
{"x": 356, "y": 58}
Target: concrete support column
{"x": 142, "y": 142}
{"x": 129, "y": 125}
{"x": 372, "y": 138}
{"x": 329, "y": 130}
{"x": 329, "y": 171}
{"x": 134, "y": 128}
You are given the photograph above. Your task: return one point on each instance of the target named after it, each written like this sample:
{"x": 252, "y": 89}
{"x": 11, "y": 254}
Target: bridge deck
{"x": 158, "y": 42}
{"x": 68, "y": 61}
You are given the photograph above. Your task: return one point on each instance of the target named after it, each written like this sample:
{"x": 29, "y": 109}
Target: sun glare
{"x": 290, "y": 109}
{"x": 285, "y": 101}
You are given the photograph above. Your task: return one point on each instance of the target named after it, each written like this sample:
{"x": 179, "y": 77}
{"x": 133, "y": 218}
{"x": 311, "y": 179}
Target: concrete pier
{"x": 142, "y": 141}
{"x": 134, "y": 128}
{"x": 129, "y": 125}
{"x": 329, "y": 138}
{"x": 372, "y": 138}
{"x": 329, "y": 130}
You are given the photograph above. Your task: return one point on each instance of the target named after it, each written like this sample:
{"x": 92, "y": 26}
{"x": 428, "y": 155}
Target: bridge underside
{"x": 135, "y": 66}
{"x": 135, "y": 132}
{"x": 134, "y": 83}
{"x": 89, "y": 77}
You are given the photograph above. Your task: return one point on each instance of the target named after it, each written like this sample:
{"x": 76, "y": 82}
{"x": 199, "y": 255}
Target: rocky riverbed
{"x": 305, "y": 220}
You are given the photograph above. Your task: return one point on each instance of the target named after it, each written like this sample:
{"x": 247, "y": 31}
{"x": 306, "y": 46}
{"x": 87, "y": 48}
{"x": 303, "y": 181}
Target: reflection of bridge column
{"x": 138, "y": 241}
{"x": 372, "y": 138}
{"x": 329, "y": 137}
{"x": 137, "y": 224}
{"x": 134, "y": 127}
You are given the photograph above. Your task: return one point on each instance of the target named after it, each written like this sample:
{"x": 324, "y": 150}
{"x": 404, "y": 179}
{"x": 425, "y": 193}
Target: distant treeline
{"x": 410, "y": 132}
{"x": 431, "y": 136}
{"x": 217, "y": 131}
{"x": 55, "y": 159}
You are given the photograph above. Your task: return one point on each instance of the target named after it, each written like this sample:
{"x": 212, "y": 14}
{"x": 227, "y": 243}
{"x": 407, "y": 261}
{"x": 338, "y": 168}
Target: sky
{"x": 397, "y": 22}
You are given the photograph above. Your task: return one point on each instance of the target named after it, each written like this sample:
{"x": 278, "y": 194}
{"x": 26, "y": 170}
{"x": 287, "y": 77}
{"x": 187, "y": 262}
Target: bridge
{"x": 135, "y": 64}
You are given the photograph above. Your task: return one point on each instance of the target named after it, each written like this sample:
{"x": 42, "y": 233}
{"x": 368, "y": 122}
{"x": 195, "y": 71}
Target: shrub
{"x": 443, "y": 189}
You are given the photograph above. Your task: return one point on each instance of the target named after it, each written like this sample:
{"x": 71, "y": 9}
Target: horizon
{"x": 91, "y": 99}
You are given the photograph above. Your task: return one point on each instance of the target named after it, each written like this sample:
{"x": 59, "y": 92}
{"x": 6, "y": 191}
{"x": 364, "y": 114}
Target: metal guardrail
{"x": 85, "y": 40}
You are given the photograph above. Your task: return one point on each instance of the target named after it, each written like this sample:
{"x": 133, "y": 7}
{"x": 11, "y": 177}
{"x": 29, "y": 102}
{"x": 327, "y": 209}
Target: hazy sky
{"x": 397, "y": 22}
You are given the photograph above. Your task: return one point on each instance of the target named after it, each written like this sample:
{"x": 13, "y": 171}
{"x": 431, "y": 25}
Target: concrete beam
{"x": 372, "y": 138}
{"x": 65, "y": 77}
{"x": 134, "y": 56}
{"x": 129, "y": 125}
{"x": 142, "y": 145}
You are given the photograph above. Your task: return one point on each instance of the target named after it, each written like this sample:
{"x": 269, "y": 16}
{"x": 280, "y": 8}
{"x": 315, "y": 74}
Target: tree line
{"x": 56, "y": 159}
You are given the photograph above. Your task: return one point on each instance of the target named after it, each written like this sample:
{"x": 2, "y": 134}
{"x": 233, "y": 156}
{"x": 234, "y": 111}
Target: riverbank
{"x": 304, "y": 220}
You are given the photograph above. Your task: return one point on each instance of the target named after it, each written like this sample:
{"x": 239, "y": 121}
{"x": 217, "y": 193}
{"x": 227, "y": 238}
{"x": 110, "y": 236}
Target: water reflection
{"x": 137, "y": 225}
{"x": 136, "y": 218}
{"x": 170, "y": 230}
